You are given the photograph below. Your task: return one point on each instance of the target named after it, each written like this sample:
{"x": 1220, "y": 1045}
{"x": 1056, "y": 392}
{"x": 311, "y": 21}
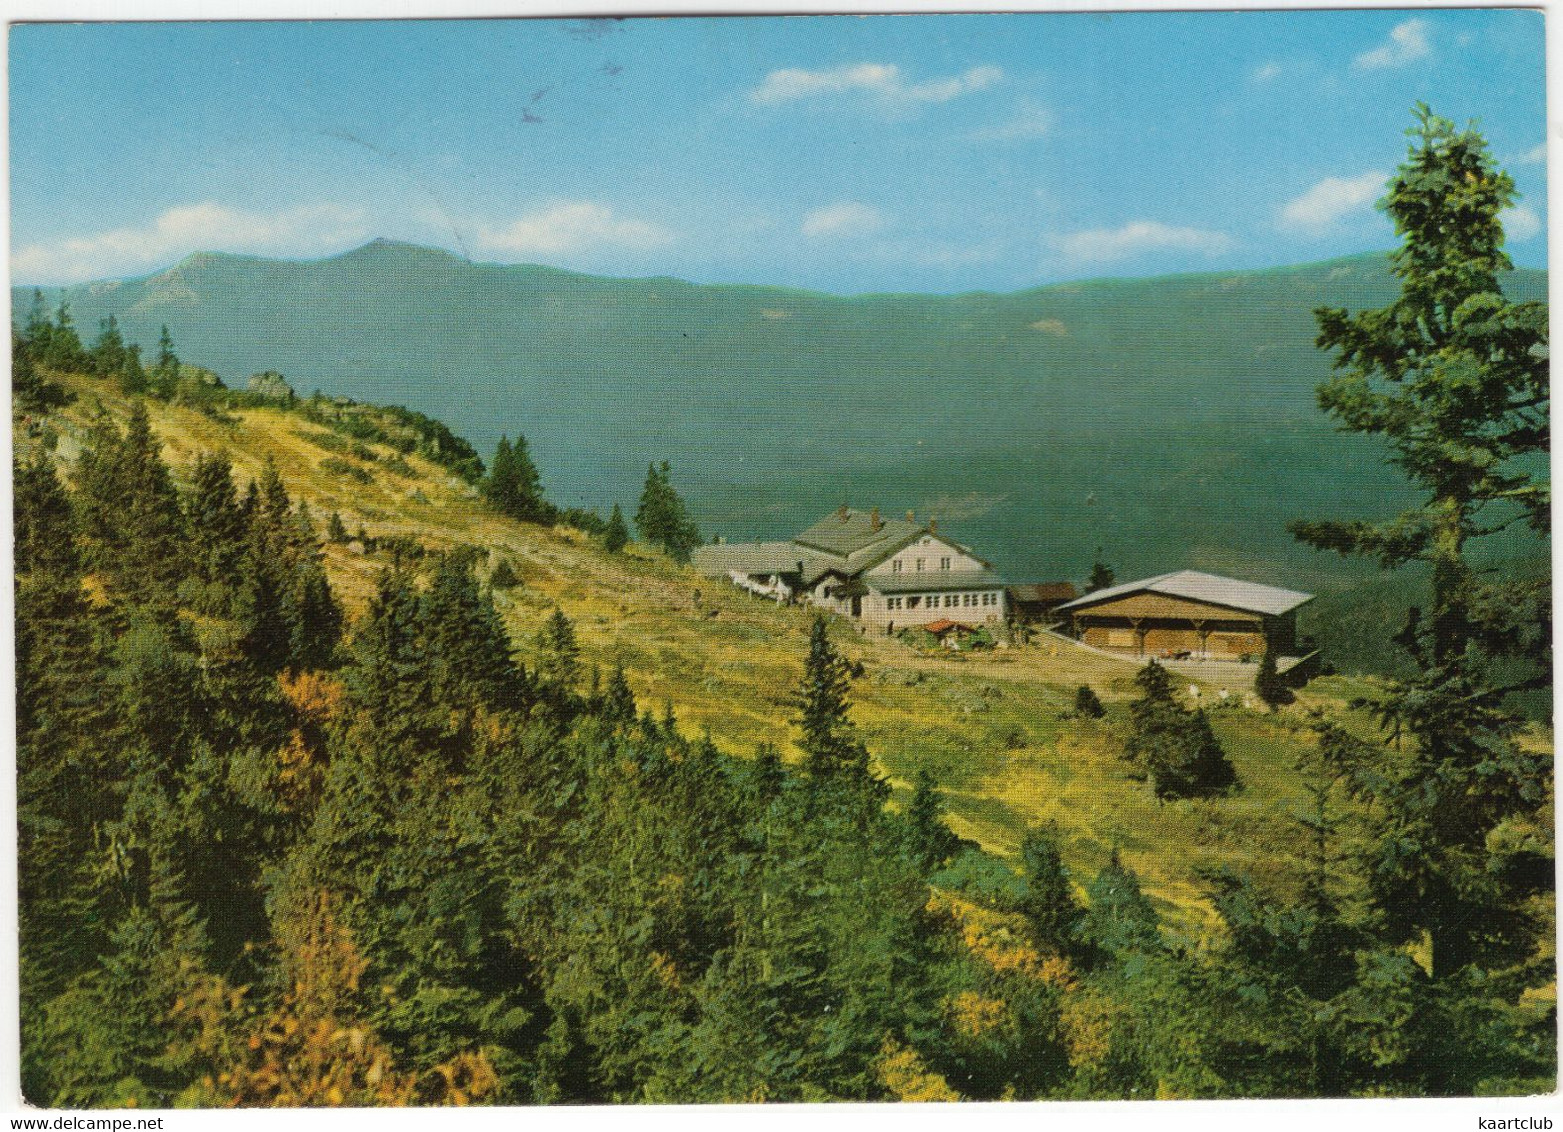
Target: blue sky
{"x": 847, "y": 154}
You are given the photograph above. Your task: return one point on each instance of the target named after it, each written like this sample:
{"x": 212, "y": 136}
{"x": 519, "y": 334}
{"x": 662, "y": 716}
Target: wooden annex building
{"x": 1189, "y": 616}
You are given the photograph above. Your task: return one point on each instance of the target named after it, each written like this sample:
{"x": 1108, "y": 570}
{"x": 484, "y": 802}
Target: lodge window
{"x": 895, "y": 566}
{"x": 949, "y": 601}
{"x": 893, "y": 603}
{"x": 944, "y": 563}
{"x": 919, "y": 565}
{"x": 911, "y": 602}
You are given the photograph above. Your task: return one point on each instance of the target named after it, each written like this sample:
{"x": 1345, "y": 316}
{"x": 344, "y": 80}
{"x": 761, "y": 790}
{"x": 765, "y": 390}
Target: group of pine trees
{"x": 514, "y": 488}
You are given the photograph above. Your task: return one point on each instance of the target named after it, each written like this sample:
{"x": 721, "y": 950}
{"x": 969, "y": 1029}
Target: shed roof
{"x": 1044, "y": 591}
{"x": 1251, "y": 597}
{"x": 944, "y": 625}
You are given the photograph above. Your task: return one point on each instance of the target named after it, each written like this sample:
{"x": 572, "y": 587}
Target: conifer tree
{"x": 130, "y": 511}
{"x": 1088, "y": 705}
{"x": 661, "y": 517}
{"x": 559, "y": 657}
{"x": 1052, "y": 913}
{"x": 514, "y": 487}
{"x": 217, "y": 525}
{"x": 617, "y": 536}
{"x": 831, "y": 748}
{"x": 167, "y": 369}
{"x": 35, "y": 334}
{"x": 132, "y": 377}
{"x": 107, "y": 356}
{"x": 64, "y": 350}
{"x": 618, "y": 701}
{"x": 1118, "y": 917}
{"x": 929, "y": 842}
{"x": 1454, "y": 377}
{"x": 335, "y": 531}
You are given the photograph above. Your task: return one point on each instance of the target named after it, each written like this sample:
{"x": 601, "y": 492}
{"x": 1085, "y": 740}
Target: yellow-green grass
{"x": 992, "y": 727}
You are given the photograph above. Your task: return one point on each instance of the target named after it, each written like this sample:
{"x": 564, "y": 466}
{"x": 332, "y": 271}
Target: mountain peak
{"x": 381, "y": 248}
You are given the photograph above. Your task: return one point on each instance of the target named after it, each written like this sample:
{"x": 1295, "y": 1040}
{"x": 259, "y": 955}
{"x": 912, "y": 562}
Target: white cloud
{"x": 1265, "y": 72}
{"x": 1407, "y": 43}
{"x": 571, "y": 226}
{"x": 1320, "y": 207}
{"x": 1101, "y": 245}
{"x": 208, "y": 226}
{"x": 1520, "y": 223}
{"x": 847, "y": 218}
{"x": 1030, "y": 123}
{"x": 1536, "y": 156}
{"x": 883, "y": 80}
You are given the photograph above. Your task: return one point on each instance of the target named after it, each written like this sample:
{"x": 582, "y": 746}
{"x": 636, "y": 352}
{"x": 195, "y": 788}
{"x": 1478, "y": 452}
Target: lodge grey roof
{"x": 853, "y": 533}
{"x": 844, "y": 543}
{"x": 1251, "y": 597}
{"x": 937, "y": 581}
{"x": 759, "y": 558}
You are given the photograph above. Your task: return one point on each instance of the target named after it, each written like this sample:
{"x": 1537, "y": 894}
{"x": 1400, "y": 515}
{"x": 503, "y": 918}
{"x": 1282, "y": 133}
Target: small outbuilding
{"x": 1188, "y": 615}
{"x": 1036, "y": 603}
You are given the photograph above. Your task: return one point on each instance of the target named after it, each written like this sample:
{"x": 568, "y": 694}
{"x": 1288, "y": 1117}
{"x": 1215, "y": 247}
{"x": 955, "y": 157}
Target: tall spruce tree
{"x": 1453, "y": 377}
{"x": 513, "y": 485}
{"x": 661, "y": 517}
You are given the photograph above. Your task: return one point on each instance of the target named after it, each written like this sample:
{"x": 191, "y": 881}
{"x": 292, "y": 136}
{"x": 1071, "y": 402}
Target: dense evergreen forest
{"x": 273, "y": 855}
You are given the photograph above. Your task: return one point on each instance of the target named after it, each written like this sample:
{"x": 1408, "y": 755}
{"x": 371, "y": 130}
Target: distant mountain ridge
{"x": 1170, "y": 421}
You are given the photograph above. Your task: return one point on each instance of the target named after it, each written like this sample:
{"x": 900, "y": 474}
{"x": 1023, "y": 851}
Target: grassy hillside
{"x": 990, "y": 729}
{"x": 1170, "y": 421}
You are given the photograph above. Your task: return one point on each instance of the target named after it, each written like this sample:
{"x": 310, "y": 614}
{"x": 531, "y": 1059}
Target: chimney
{"x": 911, "y": 516}
{"x": 841, "y": 513}
{"x": 874, "y": 521}
{"x": 933, "y": 526}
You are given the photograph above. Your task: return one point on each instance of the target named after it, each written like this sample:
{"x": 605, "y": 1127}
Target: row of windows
{"x": 896, "y": 565}
{"x": 949, "y": 601}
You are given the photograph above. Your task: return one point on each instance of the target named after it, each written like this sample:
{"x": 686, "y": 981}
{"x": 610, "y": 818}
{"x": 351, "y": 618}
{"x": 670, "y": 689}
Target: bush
{"x": 339, "y": 467}
{"x": 1087, "y": 704}
{"x": 504, "y": 576}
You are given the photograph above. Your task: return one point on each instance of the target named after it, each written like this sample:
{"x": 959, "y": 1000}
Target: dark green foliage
{"x": 1176, "y": 749}
{"x": 1088, "y": 704}
{"x": 130, "y": 512}
{"x": 831, "y": 748}
{"x": 661, "y": 517}
{"x": 213, "y": 514}
{"x": 340, "y": 467}
{"x": 335, "y": 531}
{"x": 616, "y": 536}
{"x": 1052, "y": 913}
{"x": 62, "y": 348}
{"x": 514, "y": 487}
{"x": 929, "y": 842}
{"x": 504, "y": 576}
{"x": 1268, "y": 685}
{"x": 30, "y": 391}
{"x": 1454, "y": 378}
{"x": 166, "y": 370}
{"x": 1119, "y": 920}
{"x": 1101, "y": 578}
{"x": 108, "y": 355}
{"x": 559, "y": 659}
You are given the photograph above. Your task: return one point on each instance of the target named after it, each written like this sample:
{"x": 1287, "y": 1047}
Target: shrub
{"x": 339, "y": 467}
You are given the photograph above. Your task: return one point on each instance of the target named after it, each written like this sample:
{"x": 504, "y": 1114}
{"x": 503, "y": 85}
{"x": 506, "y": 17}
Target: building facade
{"x": 1189, "y": 615}
{"x": 887, "y": 574}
